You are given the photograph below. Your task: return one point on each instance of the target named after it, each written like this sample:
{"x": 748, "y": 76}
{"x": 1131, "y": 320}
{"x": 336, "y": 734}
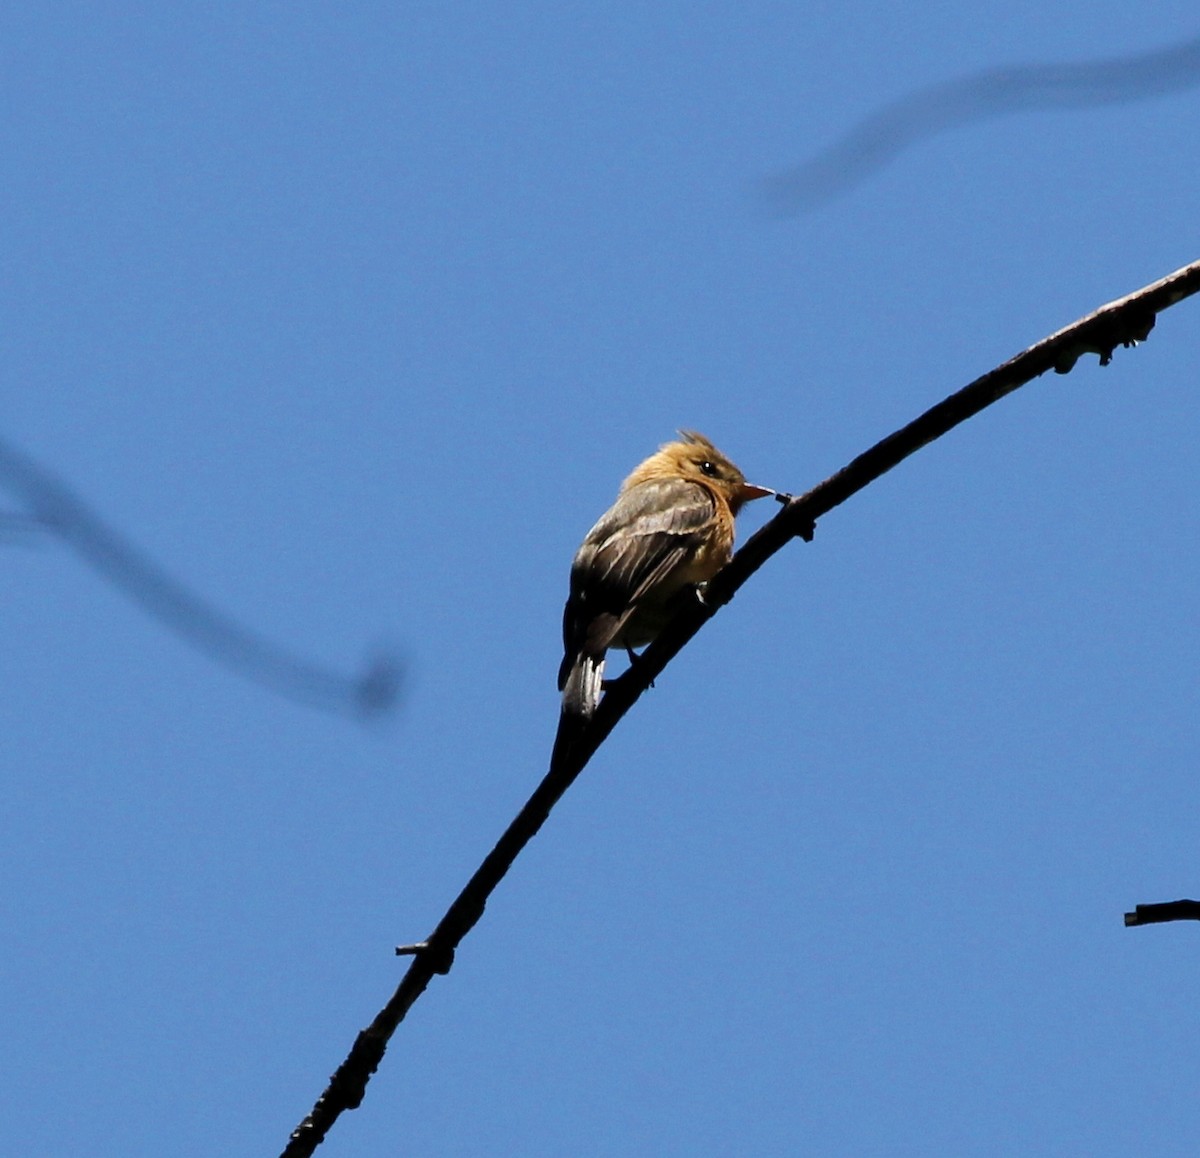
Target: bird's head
{"x": 696, "y": 459}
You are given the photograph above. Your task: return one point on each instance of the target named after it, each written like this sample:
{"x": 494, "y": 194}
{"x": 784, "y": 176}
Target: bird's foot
{"x": 634, "y": 660}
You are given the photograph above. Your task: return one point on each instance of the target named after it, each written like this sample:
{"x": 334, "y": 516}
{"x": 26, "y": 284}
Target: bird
{"x": 671, "y": 527}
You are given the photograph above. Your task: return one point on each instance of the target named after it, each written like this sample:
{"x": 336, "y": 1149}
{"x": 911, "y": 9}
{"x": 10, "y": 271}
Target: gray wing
{"x": 650, "y": 531}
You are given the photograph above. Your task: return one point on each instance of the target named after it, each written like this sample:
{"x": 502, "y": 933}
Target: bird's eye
{"x": 708, "y": 468}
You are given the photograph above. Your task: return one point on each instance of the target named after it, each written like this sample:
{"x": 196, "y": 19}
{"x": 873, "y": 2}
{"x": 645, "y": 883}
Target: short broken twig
{"x": 1164, "y": 911}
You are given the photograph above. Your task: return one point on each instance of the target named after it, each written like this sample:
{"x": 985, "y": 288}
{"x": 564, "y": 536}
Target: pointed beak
{"x": 748, "y": 492}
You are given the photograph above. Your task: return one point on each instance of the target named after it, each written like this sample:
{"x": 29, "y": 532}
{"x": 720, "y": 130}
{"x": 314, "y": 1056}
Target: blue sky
{"x": 353, "y": 317}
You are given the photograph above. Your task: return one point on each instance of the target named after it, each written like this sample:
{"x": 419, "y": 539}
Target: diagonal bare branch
{"x": 1124, "y": 322}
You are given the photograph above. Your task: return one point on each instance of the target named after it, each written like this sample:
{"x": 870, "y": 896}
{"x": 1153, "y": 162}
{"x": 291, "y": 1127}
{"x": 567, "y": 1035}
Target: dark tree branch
{"x": 1121, "y": 323}
{"x": 1164, "y": 911}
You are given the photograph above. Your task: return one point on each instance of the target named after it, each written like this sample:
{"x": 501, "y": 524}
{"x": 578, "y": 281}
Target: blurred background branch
{"x": 53, "y": 508}
{"x": 883, "y": 135}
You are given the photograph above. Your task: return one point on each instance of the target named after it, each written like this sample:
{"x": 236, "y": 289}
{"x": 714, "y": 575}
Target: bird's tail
{"x": 581, "y": 691}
